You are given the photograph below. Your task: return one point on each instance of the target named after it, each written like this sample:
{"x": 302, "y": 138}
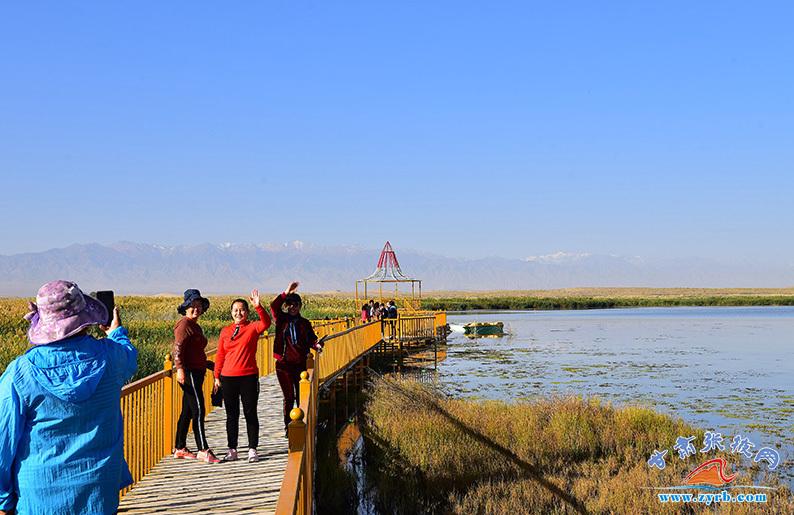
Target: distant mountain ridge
{"x": 138, "y": 268}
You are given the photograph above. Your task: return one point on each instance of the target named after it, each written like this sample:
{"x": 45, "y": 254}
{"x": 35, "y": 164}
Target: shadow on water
{"x": 337, "y": 484}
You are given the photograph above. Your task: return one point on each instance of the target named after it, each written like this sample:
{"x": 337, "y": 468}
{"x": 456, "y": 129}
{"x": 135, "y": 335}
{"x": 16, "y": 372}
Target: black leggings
{"x": 192, "y": 409}
{"x": 235, "y": 389}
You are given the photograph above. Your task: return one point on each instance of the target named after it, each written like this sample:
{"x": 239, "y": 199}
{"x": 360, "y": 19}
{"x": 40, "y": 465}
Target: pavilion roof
{"x": 388, "y": 268}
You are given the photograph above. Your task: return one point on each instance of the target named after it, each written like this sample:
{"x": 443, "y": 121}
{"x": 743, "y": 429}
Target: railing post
{"x": 347, "y": 396}
{"x": 315, "y": 386}
{"x": 310, "y": 361}
{"x": 296, "y": 431}
{"x": 168, "y": 405}
{"x": 304, "y": 387}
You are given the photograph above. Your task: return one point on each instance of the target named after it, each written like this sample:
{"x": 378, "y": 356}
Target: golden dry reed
{"x": 560, "y": 455}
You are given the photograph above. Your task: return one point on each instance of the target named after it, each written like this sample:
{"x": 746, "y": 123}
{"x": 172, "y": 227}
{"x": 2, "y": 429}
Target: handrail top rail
{"x": 288, "y": 497}
{"x": 144, "y": 382}
{"x": 349, "y": 330}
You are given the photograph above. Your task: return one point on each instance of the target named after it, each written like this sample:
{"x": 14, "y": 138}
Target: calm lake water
{"x": 722, "y": 369}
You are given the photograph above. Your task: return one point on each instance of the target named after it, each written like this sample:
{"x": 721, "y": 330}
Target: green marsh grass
{"x": 560, "y": 455}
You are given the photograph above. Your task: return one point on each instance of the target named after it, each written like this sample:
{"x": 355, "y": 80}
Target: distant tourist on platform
{"x": 371, "y": 310}
{"x": 190, "y": 361}
{"x": 61, "y": 431}
{"x": 294, "y": 339}
{"x": 376, "y": 311}
{"x": 237, "y": 374}
{"x": 389, "y": 317}
{"x": 365, "y": 313}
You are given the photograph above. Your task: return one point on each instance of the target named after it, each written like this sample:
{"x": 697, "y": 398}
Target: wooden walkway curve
{"x": 187, "y": 486}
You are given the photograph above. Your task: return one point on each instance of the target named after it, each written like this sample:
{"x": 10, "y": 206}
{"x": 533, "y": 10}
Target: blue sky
{"x": 660, "y": 129}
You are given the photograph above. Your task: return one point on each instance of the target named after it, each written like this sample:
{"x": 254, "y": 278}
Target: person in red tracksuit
{"x": 237, "y": 374}
{"x": 294, "y": 339}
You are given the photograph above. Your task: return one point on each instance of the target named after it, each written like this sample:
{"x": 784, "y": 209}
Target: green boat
{"x": 484, "y": 329}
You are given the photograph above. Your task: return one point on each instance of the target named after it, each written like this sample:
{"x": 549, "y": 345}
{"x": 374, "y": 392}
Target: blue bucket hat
{"x": 190, "y": 296}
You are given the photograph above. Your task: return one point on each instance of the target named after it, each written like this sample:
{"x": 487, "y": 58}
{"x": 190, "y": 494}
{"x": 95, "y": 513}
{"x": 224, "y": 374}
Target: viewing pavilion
{"x": 388, "y": 271}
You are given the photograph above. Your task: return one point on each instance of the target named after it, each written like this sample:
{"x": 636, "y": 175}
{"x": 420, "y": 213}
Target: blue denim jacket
{"x": 61, "y": 431}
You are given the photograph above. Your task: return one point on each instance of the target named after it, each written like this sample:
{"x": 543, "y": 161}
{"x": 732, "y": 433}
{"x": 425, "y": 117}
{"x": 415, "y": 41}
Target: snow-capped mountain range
{"x": 128, "y": 267}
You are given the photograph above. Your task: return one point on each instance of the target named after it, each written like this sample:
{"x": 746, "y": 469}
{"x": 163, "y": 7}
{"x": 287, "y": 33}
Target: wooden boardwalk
{"x": 187, "y": 486}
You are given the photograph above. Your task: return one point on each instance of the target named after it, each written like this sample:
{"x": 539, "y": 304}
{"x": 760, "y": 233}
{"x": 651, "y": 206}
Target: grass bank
{"x": 151, "y": 321}
{"x": 563, "y": 455}
{"x": 604, "y": 298}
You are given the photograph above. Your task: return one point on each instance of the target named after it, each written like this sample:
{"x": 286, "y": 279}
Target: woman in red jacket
{"x": 236, "y": 371}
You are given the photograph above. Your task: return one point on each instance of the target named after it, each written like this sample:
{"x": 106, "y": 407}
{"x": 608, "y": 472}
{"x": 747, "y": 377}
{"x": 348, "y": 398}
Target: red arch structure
{"x": 388, "y": 271}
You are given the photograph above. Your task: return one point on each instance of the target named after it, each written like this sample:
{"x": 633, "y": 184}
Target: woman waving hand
{"x": 236, "y": 371}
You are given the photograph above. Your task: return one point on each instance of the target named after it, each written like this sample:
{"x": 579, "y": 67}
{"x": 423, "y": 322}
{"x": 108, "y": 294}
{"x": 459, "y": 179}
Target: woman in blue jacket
{"x": 61, "y": 431}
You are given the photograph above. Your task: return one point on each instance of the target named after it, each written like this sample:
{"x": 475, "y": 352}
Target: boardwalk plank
{"x": 187, "y": 486}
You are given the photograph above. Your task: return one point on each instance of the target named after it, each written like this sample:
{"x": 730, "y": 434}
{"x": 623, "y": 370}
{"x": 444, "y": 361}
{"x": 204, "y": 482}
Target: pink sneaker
{"x": 184, "y": 454}
{"x": 253, "y": 457}
{"x": 231, "y": 455}
{"x": 207, "y": 457}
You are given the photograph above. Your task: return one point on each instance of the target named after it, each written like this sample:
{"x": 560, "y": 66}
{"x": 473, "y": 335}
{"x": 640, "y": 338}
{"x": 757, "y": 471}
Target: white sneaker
{"x": 207, "y": 456}
{"x": 231, "y": 455}
{"x": 253, "y": 457}
{"x": 184, "y": 454}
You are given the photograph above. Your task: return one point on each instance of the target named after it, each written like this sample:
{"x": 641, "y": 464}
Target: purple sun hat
{"x": 62, "y": 310}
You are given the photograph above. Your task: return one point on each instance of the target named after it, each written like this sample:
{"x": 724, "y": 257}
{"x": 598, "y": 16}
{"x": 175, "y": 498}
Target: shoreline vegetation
{"x": 550, "y": 455}
{"x": 151, "y": 319}
{"x": 606, "y": 298}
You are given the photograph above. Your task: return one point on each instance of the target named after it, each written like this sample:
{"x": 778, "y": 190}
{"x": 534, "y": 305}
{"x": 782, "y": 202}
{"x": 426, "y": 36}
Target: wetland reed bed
{"x": 553, "y": 455}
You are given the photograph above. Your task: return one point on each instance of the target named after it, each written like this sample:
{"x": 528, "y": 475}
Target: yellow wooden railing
{"x": 441, "y": 320}
{"x": 340, "y": 351}
{"x": 296, "y": 487}
{"x": 345, "y": 347}
{"x": 413, "y": 327}
{"x": 151, "y": 406}
{"x": 419, "y": 327}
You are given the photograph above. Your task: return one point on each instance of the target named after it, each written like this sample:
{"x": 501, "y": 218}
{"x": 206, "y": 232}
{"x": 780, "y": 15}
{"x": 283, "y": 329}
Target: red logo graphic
{"x": 711, "y": 473}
